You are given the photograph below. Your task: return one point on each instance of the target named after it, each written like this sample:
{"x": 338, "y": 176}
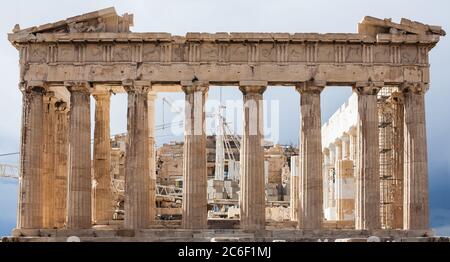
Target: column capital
{"x": 35, "y": 86}
{"x": 190, "y": 87}
{"x": 100, "y": 96}
{"x": 338, "y": 142}
{"x": 414, "y": 87}
{"x": 61, "y": 106}
{"x": 326, "y": 151}
{"x": 138, "y": 86}
{"x": 352, "y": 131}
{"x": 252, "y": 86}
{"x": 345, "y": 135}
{"x": 252, "y": 89}
{"x": 78, "y": 86}
{"x": 367, "y": 88}
{"x": 311, "y": 87}
{"x": 397, "y": 98}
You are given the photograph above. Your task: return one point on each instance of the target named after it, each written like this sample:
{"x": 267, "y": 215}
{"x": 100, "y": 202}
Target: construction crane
{"x": 9, "y": 171}
{"x": 224, "y": 136}
{"x": 161, "y": 191}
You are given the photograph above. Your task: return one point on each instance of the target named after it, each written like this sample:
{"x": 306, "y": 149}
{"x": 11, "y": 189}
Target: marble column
{"x": 311, "y": 183}
{"x": 252, "y": 197}
{"x": 338, "y": 148}
{"x": 137, "y": 173}
{"x": 345, "y": 190}
{"x": 367, "y": 210}
{"x": 79, "y": 209}
{"x": 151, "y": 156}
{"x": 398, "y": 159}
{"x": 336, "y": 186}
{"x": 62, "y": 158}
{"x": 326, "y": 166}
{"x": 194, "y": 211}
{"x": 345, "y": 146}
{"x": 415, "y": 190}
{"x": 330, "y": 182}
{"x": 353, "y": 144}
{"x": 30, "y": 188}
{"x": 103, "y": 198}
{"x": 48, "y": 164}
{"x": 294, "y": 183}
{"x": 332, "y": 153}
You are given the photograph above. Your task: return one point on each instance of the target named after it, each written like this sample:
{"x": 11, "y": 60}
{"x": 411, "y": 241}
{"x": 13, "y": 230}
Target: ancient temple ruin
{"x": 63, "y": 64}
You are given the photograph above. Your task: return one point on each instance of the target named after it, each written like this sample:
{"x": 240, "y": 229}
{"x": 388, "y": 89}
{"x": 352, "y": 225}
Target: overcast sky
{"x": 179, "y": 17}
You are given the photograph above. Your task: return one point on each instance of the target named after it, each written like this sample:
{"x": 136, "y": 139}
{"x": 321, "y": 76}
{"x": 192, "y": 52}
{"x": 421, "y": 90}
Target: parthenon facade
{"x": 63, "y": 64}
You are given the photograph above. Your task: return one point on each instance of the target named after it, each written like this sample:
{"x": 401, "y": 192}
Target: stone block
{"x": 126, "y": 233}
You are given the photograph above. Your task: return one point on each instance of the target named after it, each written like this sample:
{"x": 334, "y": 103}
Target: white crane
{"x": 9, "y": 171}
{"x": 224, "y": 137}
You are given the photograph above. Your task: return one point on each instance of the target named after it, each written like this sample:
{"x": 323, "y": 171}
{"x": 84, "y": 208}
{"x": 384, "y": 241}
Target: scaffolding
{"x": 390, "y": 114}
{"x": 9, "y": 171}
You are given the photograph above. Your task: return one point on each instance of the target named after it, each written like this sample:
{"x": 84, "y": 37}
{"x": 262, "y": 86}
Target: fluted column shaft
{"x": 252, "y": 196}
{"x": 367, "y": 210}
{"x": 194, "y": 209}
{"x": 415, "y": 207}
{"x": 338, "y": 148}
{"x": 353, "y": 144}
{"x": 61, "y": 158}
{"x": 151, "y": 156}
{"x": 103, "y": 199}
{"x": 326, "y": 165}
{"x": 338, "y": 154}
{"x": 79, "y": 212}
{"x": 294, "y": 183}
{"x": 30, "y": 188}
{"x": 311, "y": 183}
{"x": 137, "y": 176}
{"x": 48, "y": 164}
{"x": 346, "y": 147}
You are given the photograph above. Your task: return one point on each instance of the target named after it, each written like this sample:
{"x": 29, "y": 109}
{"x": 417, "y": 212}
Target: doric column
{"x": 103, "y": 199}
{"x": 415, "y": 190}
{"x": 330, "y": 182}
{"x": 326, "y": 156}
{"x": 353, "y": 144}
{"x": 48, "y": 164}
{"x": 252, "y": 197}
{"x": 151, "y": 156}
{"x": 194, "y": 157}
{"x": 326, "y": 165}
{"x": 338, "y": 148}
{"x": 345, "y": 189}
{"x": 398, "y": 154}
{"x": 62, "y": 158}
{"x": 345, "y": 146}
{"x": 137, "y": 176}
{"x": 30, "y": 200}
{"x": 338, "y": 159}
{"x": 367, "y": 211}
{"x": 332, "y": 157}
{"x": 294, "y": 190}
{"x": 79, "y": 212}
{"x": 311, "y": 184}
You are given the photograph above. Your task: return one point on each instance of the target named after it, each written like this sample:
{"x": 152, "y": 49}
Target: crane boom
{"x": 9, "y": 171}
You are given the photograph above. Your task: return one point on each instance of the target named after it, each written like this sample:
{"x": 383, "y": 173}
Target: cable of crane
{"x": 10, "y": 154}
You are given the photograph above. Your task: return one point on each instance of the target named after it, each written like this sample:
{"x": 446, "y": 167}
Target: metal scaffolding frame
{"x": 391, "y": 162}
